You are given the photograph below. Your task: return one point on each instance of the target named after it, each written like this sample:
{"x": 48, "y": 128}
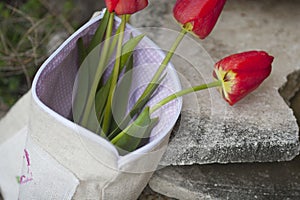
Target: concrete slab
{"x": 231, "y": 181}
{"x": 261, "y": 127}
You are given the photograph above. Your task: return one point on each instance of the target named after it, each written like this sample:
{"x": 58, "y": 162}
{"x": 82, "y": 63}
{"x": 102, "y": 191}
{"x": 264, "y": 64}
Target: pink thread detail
{"x": 27, "y": 157}
{"x": 24, "y": 179}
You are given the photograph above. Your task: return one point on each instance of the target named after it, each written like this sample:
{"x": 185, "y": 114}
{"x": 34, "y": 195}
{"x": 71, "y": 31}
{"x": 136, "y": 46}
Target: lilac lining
{"x": 55, "y": 84}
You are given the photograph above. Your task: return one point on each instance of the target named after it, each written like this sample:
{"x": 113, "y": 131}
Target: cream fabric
{"x": 13, "y": 133}
{"x": 51, "y": 180}
{"x": 11, "y": 153}
{"x": 61, "y": 160}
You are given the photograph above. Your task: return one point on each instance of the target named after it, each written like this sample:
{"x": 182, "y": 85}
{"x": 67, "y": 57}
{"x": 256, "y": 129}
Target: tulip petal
{"x": 111, "y": 4}
{"x": 242, "y": 73}
{"x": 203, "y": 14}
{"x": 122, "y": 7}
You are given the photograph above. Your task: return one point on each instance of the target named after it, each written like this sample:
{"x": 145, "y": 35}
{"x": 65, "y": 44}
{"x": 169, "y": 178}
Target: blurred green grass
{"x": 25, "y": 30}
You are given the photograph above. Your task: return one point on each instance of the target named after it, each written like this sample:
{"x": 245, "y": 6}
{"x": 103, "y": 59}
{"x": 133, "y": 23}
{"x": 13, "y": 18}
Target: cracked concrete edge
{"x": 291, "y": 87}
{"x": 228, "y": 146}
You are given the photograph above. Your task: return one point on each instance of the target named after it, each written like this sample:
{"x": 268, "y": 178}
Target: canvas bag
{"x": 54, "y": 158}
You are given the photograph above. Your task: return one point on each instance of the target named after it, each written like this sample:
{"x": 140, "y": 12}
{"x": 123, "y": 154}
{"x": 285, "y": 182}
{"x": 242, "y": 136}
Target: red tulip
{"x": 242, "y": 73}
{"x": 121, "y": 7}
{"x": 201, "y": 14}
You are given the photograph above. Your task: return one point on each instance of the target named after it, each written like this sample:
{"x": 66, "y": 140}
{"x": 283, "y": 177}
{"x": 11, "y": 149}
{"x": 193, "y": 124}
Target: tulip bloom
{"x": 242, "y": 73}
{"x": 122, "y": 7}
{"x": 202, "y": 15}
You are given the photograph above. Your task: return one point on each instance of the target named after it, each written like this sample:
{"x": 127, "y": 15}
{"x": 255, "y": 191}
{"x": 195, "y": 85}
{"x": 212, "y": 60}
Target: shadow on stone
{"x": 290, "y": 92}
{"x": 232, "y": 181}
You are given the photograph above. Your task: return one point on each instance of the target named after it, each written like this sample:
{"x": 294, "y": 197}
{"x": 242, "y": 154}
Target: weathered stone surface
{"x": 231, "y": 181}
{"x": 259, "y": 128}
{"x": 230, "y": 141}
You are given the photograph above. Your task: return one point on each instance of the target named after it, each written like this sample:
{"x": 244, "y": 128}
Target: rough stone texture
{"x": 259, "y": 128}
{"x": 231, "y": 181}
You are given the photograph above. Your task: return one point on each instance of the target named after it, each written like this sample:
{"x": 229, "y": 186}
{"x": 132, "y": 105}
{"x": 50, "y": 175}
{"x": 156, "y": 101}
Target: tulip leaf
{"x": 142, "y": 101}
{"x": 84, "y": 79}
{"x": 89, "y": 74}
{"x": 129, "y": 64}
{"x": 99, "y": 34}
{"x": 81, "y": 50}
{"x": 121, "y": 96}
{"x": 128, "y": 49}
{"x": 130, "y": 138}
{"x": 135, "y": 110}
{"x": 147, "y": 134}
{"x": 101, "y": 98}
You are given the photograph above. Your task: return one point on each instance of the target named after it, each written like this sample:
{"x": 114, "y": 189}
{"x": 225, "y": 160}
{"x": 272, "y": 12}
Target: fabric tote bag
{"x": 45, "y": 155}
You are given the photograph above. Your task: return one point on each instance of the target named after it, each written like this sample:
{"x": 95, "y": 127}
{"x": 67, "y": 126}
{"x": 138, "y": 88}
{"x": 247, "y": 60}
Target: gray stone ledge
{"x": 229, "y": 141}
{"x": 232, "y": 181}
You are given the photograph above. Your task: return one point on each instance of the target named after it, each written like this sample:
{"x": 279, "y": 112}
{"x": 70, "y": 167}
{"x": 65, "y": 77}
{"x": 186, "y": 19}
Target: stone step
{"x": 230, "y": 181}
{"x": 259, "y": 128}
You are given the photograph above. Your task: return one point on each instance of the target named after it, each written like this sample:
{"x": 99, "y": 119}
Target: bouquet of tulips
{"x": 95, "y": 99}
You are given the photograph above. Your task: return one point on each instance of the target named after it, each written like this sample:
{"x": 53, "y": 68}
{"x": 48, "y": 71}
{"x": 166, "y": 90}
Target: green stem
{"x": 164, "y": 63}
{"x": 119, "y": 136}
{"x": 99, "y": 71}
{"x": 184, "y": 92}
{"x": 151, "y": 86}
{"x": 115, "y": 75}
